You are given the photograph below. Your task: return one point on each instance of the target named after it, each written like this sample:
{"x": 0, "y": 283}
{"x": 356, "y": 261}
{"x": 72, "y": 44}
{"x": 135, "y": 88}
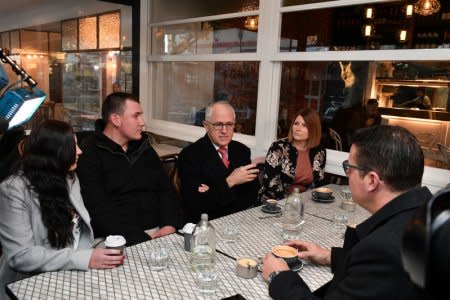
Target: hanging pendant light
{"x": 427, "y": 7}
{"x": 251, "y": 23}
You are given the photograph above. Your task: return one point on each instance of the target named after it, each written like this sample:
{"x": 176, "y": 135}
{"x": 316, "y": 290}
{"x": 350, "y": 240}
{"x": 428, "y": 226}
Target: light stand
{"x": 18, "y": 105}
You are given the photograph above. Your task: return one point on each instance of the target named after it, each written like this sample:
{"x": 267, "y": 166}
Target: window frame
{"x": 270, "y": 59}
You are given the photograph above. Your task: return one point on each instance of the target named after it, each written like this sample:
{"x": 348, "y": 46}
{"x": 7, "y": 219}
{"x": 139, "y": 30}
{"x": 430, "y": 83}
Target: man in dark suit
{"x": 384, "y": 169}
{"x": 216, "y": 173}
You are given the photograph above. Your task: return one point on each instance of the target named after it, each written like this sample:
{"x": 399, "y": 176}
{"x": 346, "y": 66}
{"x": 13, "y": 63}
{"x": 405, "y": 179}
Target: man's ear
{"x": 115, "y": 120}
{"x": 205, "y": 125}
{"x": 372, "y": 180}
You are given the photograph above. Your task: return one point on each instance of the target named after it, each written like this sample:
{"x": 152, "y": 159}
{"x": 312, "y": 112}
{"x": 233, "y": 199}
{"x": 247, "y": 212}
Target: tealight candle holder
{"x": 246, "y": 268}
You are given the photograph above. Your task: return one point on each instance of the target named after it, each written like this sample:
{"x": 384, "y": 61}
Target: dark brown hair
{"x": 312, "y": 120}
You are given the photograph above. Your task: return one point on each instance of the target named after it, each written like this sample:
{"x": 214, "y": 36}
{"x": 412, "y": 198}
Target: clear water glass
{"x": 230, "y": 233}
{"x": 340, "y": 222}
{"x": 159, "y": 258}
{"x": 347, "y": 201}
{"x": 206, "y": 279}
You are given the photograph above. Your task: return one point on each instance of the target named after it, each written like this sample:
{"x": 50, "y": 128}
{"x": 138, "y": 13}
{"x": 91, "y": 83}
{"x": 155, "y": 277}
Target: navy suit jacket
{"x": 200, "y": 163}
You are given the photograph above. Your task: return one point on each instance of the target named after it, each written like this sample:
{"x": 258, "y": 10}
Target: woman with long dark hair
{"x": 44, "y": 225}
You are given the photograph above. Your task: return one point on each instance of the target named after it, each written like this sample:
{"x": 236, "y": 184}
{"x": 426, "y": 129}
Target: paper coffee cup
{"x": 115, "y": 242}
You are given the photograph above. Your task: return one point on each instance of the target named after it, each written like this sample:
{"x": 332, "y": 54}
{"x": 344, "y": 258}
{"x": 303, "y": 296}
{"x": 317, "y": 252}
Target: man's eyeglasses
{"x": 220, "y": 125}
{"x": 346, "y": 166}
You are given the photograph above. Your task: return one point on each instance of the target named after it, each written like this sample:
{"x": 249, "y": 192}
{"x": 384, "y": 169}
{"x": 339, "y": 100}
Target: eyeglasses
{"x": 346, "y": 166}
{"x": 220, "y": 125}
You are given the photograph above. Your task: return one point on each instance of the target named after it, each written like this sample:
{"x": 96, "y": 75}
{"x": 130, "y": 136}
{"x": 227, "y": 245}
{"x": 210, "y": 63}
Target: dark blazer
{"x": 369, "y": 265}
{"x": 200, "y": 163}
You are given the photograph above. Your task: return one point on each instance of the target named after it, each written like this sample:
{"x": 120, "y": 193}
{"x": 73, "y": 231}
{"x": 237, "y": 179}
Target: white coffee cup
{"x": 115, "y": 242}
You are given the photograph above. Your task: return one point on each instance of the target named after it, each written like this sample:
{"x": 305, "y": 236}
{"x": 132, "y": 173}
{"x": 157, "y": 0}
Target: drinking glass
{"x": 159, "y": 258}
{"x": 230, "y": 233}
{"x": 347, "y": 201}
{"x": 339, "y": 224}
{"x": 206, "y": 279}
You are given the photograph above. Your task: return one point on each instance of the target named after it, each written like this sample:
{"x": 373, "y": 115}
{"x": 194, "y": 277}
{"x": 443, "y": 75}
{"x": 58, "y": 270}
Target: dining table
{"x": 258, "y": 233}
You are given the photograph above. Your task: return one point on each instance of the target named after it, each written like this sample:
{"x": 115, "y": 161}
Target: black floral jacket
{"x": 279, "y": 169}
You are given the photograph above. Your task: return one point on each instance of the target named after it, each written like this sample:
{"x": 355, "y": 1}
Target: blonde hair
{"x": 312, "y": 120}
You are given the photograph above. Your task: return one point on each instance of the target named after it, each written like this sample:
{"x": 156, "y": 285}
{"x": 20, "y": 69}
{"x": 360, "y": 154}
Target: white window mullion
{"x": 269, "y": 76}
{"x": 336, "y": 3}
{"x": 366, "y": 55}
{"x": 206, "y": 18}
{"x": 205, "y": 57}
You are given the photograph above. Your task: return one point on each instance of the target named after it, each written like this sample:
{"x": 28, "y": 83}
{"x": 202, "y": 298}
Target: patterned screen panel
{"x": 88, "y": 33}
{"x": 109, "y": 31}
{"x": 69, "y": 30}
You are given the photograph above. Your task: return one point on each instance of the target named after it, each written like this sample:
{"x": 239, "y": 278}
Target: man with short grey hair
{"x": 216, "y": 173}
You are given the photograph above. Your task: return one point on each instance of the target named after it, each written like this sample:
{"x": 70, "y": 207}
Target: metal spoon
{"x": 271, "y": 216}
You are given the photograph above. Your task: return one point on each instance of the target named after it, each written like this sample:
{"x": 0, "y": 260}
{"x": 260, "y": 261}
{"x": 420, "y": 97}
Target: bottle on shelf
{"x": 203, "y": 254}
{"x": 292, "y": 220}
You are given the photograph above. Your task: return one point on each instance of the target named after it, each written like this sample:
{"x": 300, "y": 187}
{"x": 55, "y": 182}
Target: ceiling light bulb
{"x": 409, "y": 10}
{"x": 369, "y": 13}
{"x": 403, "y": 34}
{"x": 368, "y": 30}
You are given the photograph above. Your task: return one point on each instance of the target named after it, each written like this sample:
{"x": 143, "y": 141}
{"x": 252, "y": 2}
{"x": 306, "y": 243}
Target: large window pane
{"x": 375, "y": 26}
{"x": 341, "y": 90}
{"x": 224, "y": 36}
{"x": 163, "y": 10}
{"x": 81, "y": 81}
{"x": 182, "y": 90}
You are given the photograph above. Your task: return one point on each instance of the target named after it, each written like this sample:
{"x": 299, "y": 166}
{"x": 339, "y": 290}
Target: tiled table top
{"x": 328, "y": 210}
{"x": 135, "y": 280}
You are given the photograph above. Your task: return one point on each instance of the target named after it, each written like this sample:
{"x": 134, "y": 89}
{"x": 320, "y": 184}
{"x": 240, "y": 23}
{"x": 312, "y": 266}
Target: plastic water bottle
{"x": 292, "y": 220}
{"x": 203, "y": 255}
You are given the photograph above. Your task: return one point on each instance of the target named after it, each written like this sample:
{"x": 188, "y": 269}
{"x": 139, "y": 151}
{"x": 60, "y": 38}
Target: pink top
{"x": 303, "y": 172}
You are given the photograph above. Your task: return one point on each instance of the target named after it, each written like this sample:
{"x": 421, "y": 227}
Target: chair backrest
{"x": 444, "y": 152}
{"x": 175, "y": 178}
{"x": 336, "y": 138}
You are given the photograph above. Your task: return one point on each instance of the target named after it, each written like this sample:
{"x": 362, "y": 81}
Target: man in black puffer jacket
{"x": 123, "y": 184}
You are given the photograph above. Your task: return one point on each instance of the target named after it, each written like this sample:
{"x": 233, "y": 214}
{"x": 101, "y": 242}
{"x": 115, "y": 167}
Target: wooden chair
{"x": 337, "y": 146}
{"x": 336, "y": 138}
{"x": 175, "y": 178}
{"x": 444, "y": 153}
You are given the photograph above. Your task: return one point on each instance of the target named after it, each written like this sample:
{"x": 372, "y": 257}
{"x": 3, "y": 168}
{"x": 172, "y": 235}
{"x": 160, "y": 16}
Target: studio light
{"x": 17, "y": 105}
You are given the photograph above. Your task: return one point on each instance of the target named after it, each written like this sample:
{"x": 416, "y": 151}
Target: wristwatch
{"x": 272, "y": 276}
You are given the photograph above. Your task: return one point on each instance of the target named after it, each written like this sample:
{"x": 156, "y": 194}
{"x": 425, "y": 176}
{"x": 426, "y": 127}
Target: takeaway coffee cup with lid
{"x": 115, "y": 242}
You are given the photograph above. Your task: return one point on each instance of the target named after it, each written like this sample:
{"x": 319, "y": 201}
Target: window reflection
{"x": 392, "y": 25}
{"x": 163, "y": 10}
{"x": 236, "y": 35}
{"x": 183, "y": 90}
{"x": 354, "y": 94}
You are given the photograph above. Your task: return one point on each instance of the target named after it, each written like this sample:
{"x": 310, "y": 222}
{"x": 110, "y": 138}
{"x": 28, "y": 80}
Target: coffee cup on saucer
{"x": 288, "y": 253}
{"x": 322, "y": 193}
{"x": 271, "y": 204}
